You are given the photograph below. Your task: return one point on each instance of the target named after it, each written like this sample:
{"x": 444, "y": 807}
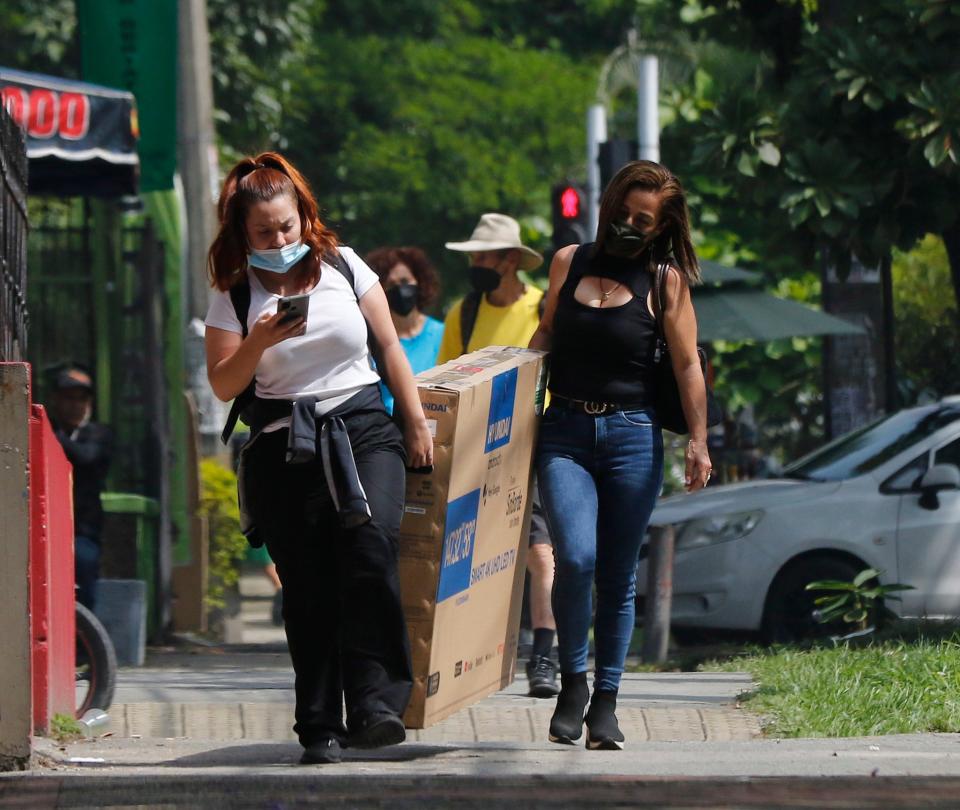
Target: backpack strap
{"x": 335, "y": 258}
{"x": 240, "y": 298}
{"x": 468, "y": 317}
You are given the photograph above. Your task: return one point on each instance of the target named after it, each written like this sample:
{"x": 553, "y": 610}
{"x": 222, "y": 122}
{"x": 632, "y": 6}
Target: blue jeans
{"x": 599, "y": 480}
{"x": 86, "y": 552}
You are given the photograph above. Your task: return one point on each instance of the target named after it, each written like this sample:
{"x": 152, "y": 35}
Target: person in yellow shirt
{"x": 501, "y": 310}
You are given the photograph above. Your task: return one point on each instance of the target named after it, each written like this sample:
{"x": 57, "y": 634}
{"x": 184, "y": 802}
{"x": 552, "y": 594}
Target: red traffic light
{"x": 570, "y": 203}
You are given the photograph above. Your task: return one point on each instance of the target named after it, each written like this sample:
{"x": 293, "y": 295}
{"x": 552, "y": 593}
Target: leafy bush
{"x": 858, "y": 603}
{"x": 228, "y": 547}
{"x": 926, "y": 329}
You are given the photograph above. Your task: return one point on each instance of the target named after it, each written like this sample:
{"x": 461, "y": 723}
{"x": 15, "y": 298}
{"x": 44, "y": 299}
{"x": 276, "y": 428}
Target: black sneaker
{"x": 377, "y": 730}
{"x": 542, "y": 677}
{"x": 325, "y": 751}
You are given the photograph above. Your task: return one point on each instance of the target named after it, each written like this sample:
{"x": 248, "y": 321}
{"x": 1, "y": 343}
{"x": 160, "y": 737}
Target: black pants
{"x": 341, "y": 590}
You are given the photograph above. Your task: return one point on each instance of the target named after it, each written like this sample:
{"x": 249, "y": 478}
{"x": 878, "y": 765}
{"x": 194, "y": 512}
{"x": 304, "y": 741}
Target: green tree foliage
{"x": 812, "y": 129}
{"x": 848, "y": 127}
{"x": 40, "y": 36}
{"x": 411, "y": 119}
{"x": 927, "y": 340}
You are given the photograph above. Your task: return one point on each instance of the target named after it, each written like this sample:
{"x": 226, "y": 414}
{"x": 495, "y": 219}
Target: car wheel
{"x": 788, "y": 615}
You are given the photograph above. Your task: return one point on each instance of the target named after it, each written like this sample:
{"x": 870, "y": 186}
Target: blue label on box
{"x": 503, "y": 395}
{"x": 459, "y": 534}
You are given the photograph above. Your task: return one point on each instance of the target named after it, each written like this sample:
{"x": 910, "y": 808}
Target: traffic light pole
{"x": 596, "y": 134}
{"x": 648, "y": 109}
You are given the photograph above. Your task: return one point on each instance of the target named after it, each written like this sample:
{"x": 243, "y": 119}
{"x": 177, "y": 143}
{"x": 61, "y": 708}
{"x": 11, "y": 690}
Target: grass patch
{"x": 64, "y": 728}
{"x": 905, "y": 680}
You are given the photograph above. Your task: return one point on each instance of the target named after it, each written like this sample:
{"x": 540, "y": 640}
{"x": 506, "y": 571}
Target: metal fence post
{"x": 14, "y": 319}
{"x": 656, "y": 619}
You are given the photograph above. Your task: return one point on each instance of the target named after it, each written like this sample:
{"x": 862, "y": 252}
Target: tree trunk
{"x": 951, "y": 239}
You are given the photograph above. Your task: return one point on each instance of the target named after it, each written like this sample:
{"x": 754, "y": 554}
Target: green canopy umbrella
{"x": 716, "y": 273}
{"x": 729, "y": 307}
{"x": 738, "y": 312}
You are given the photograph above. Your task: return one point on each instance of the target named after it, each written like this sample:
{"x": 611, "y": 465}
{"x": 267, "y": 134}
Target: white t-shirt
{"x": 330, "y": 360}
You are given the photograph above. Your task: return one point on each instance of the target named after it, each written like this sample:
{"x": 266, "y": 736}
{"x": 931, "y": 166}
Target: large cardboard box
{"x": 463, "y": 540}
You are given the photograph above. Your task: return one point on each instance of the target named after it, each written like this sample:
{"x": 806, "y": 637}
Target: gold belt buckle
{"x": 595, "y": 408}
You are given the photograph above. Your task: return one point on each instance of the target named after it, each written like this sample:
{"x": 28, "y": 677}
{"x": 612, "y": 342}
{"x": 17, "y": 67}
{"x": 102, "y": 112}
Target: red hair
{"x": 261, "y": 179}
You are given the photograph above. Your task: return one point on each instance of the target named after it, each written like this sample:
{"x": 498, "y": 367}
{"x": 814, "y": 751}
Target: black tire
{"x": 96, "y": 663}
{"x": 788, "y": 613}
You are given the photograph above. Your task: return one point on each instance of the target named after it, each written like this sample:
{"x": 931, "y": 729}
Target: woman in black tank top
{"x": 600, "y": 451}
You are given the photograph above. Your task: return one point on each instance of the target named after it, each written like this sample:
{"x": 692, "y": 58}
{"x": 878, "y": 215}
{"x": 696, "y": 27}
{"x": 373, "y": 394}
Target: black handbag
{"x": 666, "y": 397}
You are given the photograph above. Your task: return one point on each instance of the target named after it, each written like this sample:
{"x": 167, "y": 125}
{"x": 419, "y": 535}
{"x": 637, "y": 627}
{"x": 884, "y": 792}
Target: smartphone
{"x": 293, "y": 307}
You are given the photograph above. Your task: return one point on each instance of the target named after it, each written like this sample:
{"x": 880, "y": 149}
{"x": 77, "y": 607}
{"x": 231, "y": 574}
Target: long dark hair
{"x": 673, "y": 240}
{"x": 261, "y": 179}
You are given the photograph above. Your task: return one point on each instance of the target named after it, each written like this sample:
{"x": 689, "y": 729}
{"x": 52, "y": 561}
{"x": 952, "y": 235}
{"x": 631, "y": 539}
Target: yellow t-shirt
{"x": 495, "y": 326}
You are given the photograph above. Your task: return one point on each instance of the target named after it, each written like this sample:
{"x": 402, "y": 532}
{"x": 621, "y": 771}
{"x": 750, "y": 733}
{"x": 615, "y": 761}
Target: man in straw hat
{"x": 503, "y": 311}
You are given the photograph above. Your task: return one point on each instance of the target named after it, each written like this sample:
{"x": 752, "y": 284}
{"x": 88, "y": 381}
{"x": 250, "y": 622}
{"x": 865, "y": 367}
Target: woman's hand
{"x": 271, "y": 329}
{"x": 699, "y": 467}
{"x": 419, "y": 444}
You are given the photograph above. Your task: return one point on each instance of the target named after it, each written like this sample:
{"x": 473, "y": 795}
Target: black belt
{"x": 596, "y": 407}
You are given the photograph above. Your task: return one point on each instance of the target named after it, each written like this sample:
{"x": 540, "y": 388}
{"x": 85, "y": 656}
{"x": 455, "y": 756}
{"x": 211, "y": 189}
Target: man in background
{"x": 88, "y": 447}
{"x": 501, "y": 310}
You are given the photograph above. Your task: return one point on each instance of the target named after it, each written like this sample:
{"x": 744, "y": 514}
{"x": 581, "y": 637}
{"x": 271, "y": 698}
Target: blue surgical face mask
{"x": 278, "y": 260}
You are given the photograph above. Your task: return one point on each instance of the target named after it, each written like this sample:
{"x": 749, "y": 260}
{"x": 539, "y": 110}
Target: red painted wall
{"x": 52, "y": 595}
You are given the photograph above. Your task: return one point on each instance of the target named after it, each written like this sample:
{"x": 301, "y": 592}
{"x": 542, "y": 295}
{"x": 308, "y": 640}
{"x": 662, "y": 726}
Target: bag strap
{"x": 468, "y": 318}
{"x": 240, "y": 298}
{"x": 659, "y": 282}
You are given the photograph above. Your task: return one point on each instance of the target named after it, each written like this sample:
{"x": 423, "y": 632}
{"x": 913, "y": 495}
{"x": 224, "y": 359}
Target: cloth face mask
{"x": 625, "y": 241}
{"x": 484, "y": 279}
{"x": 402, "y": 298}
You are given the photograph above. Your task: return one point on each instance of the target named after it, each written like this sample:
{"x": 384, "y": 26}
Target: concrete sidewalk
{"x": 230, "y": 695}
{"x": 211, "y": 726}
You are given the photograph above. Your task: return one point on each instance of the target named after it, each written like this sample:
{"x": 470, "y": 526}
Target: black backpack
{"x": 240, "y": 298}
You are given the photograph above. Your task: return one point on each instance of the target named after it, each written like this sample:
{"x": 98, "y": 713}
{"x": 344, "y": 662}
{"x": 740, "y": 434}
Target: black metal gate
{"x": 14, "y": 318}
{"x": 107, "y": 315}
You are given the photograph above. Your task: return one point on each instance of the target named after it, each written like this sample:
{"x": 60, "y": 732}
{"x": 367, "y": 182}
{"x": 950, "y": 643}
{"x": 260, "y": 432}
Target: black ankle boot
{"x": 566, "y": 726}
{"x": 603, "y": 732}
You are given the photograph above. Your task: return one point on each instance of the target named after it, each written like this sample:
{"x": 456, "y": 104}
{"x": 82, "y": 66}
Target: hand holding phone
{"x": 293, "y": 307}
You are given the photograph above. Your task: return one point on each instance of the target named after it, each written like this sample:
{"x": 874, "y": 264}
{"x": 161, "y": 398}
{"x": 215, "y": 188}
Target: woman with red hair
{"x": 322, "y": 475}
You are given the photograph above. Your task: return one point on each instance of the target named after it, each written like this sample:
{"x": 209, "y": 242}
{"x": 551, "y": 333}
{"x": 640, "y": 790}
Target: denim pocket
{"x": 644, "y": 417}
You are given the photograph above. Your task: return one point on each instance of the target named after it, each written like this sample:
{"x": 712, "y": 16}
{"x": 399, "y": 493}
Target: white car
{"x": 886, "y": 496}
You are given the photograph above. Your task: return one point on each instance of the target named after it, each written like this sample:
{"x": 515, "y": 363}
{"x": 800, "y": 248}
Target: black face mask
{"x": 484, "y": 279}
{"x": 402, "y": 298}
{"x": 624, "y": 241}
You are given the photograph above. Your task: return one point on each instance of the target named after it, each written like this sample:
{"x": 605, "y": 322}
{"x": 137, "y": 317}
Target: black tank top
{"x": 604, "y": 354}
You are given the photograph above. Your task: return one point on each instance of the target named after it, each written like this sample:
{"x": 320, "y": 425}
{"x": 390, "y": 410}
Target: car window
{"x": 868, "y": 447}
{"x": 948, "y": 454}
{"x": 907, "y": 478}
